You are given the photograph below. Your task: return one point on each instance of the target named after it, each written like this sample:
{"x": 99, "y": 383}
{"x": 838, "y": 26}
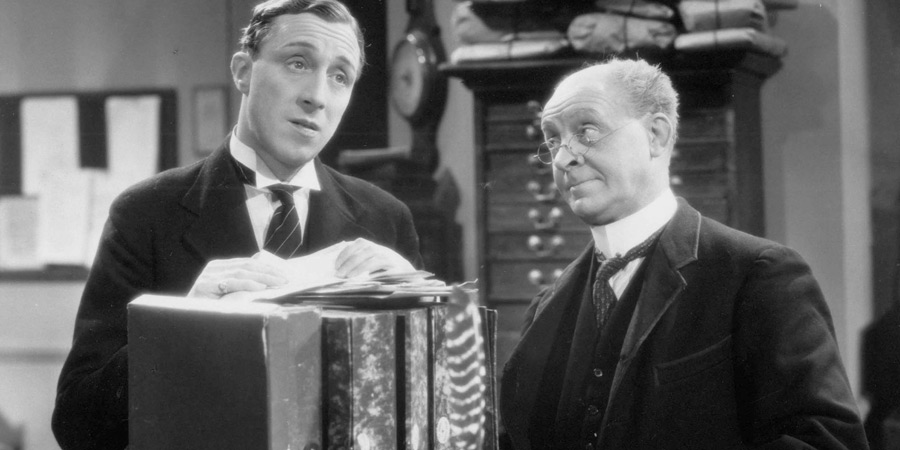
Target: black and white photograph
{"x": 449, "y": 224}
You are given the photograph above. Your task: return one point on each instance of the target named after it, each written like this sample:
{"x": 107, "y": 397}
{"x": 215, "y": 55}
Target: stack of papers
{"x": 313, "y": 277}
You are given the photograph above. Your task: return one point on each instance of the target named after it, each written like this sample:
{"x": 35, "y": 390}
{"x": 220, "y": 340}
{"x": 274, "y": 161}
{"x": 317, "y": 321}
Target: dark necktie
{"x": 604, "y": 297}
{"x": 283, "y": 236}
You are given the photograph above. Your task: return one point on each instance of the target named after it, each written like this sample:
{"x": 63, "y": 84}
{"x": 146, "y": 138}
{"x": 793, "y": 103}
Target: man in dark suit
{"x": 196, "y": 230}
{"x": 698, "y": 337}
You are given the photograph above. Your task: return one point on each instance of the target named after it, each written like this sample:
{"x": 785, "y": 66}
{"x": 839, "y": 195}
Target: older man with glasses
{"x": 670, "y": 330}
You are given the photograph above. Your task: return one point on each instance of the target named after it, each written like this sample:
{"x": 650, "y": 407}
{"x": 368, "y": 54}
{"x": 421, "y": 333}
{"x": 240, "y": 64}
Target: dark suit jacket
{"x": 160, "y": 235}
{"x": 731, "y": 345}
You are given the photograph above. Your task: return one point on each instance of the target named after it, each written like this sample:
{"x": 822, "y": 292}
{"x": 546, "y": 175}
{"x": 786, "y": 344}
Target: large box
{"x": 209, "y": 374}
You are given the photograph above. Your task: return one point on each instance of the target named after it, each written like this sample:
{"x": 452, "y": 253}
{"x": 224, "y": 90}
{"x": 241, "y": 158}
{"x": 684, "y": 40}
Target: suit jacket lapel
{"x": 525, "y": 370}
{"x": 332, "y": 214}
{"x": 662, "y": 285}
{"x": 222, "y": 227}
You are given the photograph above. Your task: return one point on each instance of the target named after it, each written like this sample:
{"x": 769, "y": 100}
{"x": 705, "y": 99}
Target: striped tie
{"x": 283, "y": 236}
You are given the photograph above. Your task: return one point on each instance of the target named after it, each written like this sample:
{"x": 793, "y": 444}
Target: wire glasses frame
{"x": 547, "y": 151}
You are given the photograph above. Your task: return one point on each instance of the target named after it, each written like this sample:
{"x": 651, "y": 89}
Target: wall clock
{"x": 418, "y": 90}
{"x": 415, "y": 77}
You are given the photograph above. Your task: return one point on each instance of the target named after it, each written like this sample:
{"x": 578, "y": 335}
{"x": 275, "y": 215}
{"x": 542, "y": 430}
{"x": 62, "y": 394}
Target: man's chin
{"x": 298, "y": 154}
{"x": 589, "y": 212}
{"x": 287, "y": 161}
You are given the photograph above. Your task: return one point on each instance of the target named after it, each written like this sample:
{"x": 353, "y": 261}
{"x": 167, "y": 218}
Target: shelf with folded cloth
{"x": 504, "y": 31}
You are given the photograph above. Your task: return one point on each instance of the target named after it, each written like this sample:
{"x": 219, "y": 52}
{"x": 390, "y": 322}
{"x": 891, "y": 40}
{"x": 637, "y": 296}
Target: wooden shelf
{"x": 50, "y": 274}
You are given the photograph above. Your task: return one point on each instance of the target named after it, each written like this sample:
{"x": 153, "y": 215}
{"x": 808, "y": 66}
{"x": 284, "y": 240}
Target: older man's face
{"x": 614, "y": 178}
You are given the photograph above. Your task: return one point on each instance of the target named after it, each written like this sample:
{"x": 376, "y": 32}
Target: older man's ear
{"x": 661, "y": 135}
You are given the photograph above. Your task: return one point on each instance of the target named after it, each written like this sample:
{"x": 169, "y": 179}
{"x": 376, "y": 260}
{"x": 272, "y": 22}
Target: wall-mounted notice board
{"x": 63, "y": 159}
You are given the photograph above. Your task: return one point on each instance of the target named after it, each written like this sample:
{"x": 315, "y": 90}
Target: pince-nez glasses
{"x": 589, "y": 138}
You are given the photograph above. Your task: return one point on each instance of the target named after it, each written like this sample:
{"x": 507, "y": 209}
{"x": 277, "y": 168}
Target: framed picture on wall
{"x": 210, "y": 118}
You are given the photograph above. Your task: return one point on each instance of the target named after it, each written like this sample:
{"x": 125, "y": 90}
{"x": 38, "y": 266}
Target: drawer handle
{"x": 537, "y": 167}
{"x": 546, "y": 194}
{"x": 537, "y": 245}
{"x": 536, "y": 277}
{"x": 549, "y": 222}
{"x": 535, "y": 108}
{"x": 533, "y": 130}
{"x": 676, "y": 180}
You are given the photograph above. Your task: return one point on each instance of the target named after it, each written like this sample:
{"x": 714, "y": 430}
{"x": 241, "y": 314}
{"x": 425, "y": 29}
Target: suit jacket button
{"x": 598, "y": 372}
{"x": 592, "y": 410}
{"x": 589, "y": 446}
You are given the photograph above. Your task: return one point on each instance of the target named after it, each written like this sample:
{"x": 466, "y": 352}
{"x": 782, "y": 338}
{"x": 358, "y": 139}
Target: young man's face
{"x": 296, "y": 89}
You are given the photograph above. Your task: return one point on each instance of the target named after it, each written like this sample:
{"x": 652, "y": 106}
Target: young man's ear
{"x": 662, "y": 131}
{"x": 241, "y": 69}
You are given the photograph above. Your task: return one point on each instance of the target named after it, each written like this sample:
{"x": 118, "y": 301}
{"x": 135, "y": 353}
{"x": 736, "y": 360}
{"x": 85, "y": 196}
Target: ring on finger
{"x": 223, "y": 287}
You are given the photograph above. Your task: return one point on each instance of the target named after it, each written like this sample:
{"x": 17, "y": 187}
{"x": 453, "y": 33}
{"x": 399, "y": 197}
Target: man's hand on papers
{"x": 360, "y": 265}
{"x": 226, "y": 276}
{"x": 362, "y": 257}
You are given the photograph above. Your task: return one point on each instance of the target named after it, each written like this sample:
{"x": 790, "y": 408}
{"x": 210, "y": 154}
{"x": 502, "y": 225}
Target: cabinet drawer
{"x": 514, "y": 125}
{"x": 532, "y": 217}
{"x": 527, "y": 109}
{"x": 513, "y": 135}
{"x": 517, "y": 177}
{"x": 700, "y": 156}
{"x": 537, "y": 245}
{"x": 521, "y": 165}
{"x": 522, "y": 279}
{"x": 700, "y": 184}
{"x": 716, "y": 208}
{"x": 705, "y": 123}
{"x": 536, "y": 190}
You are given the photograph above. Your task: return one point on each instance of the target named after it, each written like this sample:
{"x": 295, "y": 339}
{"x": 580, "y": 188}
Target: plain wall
{"x": 816, "y": 159}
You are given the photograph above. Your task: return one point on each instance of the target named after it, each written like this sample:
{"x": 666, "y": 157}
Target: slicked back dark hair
{"x": 328, "y": 10}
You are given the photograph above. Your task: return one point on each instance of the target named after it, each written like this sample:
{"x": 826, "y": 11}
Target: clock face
{"x": 412, "y": 75}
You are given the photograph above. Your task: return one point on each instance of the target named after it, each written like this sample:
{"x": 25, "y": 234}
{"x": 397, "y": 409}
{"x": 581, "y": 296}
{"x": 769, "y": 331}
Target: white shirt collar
{"x": 624, "y": 234}
{"x": 305, "y": 177}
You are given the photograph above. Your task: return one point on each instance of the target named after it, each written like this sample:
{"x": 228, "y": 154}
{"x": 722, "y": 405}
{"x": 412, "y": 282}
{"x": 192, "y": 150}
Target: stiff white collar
{"x": 620, "y": 236}
{"x": 305, "y": 177}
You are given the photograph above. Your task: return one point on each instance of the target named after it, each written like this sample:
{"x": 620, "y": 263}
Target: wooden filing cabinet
{"x": 527, "y": 235}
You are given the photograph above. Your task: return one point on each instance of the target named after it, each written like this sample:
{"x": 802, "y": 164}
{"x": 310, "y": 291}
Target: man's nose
{"x": 314, "y": 92}
{"x": 564, "y": 158}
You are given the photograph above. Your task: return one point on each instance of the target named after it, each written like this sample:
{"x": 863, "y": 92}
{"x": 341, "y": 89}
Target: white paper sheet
{"x": 315, "y": 273}
{"x": 18, "y": 233}
{"x": 51, "y": 173}
{"x": 132, "y": 132}
{"x": 49, "y": 140}
{"x": 62, "y": 217}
